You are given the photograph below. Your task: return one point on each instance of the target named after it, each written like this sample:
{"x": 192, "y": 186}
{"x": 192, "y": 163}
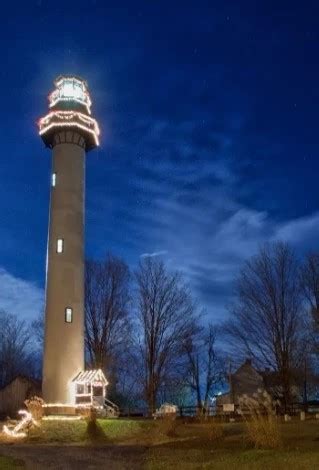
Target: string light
{"x": 25, "y": 422}
{"x": 62, "y": 418}
{"x": 71, "y": 405}
{"x": 69, "y": 115}
{"x": 70, "y": 124}
{"x": 58, "y": 82}
{"x": 69, "y": 118}
{"x": 70, "y": 89}
{"x": 54, "y": 99}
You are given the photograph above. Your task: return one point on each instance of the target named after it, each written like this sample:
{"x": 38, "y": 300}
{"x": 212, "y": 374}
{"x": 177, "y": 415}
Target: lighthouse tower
{"x": 70, "y": 131}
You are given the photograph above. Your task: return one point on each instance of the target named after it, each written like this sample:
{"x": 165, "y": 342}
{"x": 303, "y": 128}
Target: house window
{"x": 80, "y": 389}
{"x": 59, "y": 245}
{"x": 68, "y": 314}
{"x": 53, "y": 181}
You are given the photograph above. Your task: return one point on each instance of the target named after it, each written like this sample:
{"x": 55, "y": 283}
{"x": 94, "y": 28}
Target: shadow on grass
{"x": 95, "y": 433}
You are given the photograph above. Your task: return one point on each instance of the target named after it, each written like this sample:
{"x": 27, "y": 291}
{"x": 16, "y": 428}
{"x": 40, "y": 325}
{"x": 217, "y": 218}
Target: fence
{"x": 183, "y": 411}
{"x": 311, "y": 407}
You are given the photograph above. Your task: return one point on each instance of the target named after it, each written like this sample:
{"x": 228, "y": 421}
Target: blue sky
{"x": 209, "y": 121}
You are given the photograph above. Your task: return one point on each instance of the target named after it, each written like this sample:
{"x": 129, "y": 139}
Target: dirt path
{"x": 39, "y": 457}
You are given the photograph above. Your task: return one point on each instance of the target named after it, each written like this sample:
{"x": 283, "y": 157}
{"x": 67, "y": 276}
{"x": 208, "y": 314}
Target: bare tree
{"x": 37, "y": 327}
{"x": 204, "y": 365}
{"x": 106, "y": 310}
{"x": 265, "y": 319}
{"x": 166, "y": 316}
{"x": 310, "y": 288}
{"x": 15, "y": 347}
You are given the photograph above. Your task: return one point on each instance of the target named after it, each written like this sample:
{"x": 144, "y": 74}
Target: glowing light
{"x": 70, "y": 89}
{"x": 59, "y": 245}
{"x": 94, "y": 377}
{"x": 69, "y": 119}
{"x": 62, "y": 418}
{"x": 25, "y": 422}
{"x": 68, "y": 315}
{"x": 71, "y": 405}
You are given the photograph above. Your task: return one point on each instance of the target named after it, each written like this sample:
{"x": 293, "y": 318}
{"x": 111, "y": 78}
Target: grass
{"x": 264, "y": 432}
{"x": 118, "y": 429}
{"x": 193, "y": 445}
{"x": 82, "y": 432}
{"x": 299, "y": 451}
{"x": 250, "y": 459}
{"x": 8, "y": 463}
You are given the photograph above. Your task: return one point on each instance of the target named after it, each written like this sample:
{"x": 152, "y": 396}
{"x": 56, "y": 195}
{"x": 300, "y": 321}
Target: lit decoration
{"x": 62, "y": 418}
{"x": 94, "y": 376}
{"x": 70, "y": 89}
{"x": 75, "y": 119}
{"x": 166, "y": 409}
{"x": 89, "y": 388}
{"x": 70, "y": 109}
{"x": 65, "y": 405}
{"x": 25, "y": 423}
{"x": 87, "y": 392}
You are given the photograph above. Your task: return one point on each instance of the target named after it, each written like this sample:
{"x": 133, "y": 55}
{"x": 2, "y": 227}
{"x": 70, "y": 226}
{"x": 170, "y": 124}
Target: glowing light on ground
{"x": 70, "y": 405}
{"x": 25, "y": 423}
{"x": 62, "y": 418}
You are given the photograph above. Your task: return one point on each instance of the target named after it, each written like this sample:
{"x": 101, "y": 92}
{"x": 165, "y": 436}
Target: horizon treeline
{"x": 155, "y": 343}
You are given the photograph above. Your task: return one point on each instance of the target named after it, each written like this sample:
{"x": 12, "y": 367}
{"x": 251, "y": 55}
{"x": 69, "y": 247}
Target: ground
{"x": 149, "y": 445}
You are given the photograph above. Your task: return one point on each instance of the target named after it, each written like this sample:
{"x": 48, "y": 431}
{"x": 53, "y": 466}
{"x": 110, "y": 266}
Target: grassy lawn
{"x": 106, "y": 430}
{"x": 7, "y": 463}
{"x": 300, "y": 450}
{"x": 184, "y": 445}
{"x": 219, "y": 459}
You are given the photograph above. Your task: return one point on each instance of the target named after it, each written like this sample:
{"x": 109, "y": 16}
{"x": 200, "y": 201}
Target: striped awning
{"x": 90, "y": 376}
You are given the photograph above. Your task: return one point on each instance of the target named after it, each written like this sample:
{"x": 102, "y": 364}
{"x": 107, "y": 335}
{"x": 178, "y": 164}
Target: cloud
{"x": 155, "y": 253}
{"x": 193, "y": 185}
{"x": 208, "y": 232}
{"x": 20, "y": 297}
{"x": 300, "y": 231}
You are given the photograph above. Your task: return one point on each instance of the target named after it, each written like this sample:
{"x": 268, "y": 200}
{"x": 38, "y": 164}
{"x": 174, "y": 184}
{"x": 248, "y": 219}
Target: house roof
{"x": 24, "y": 378}
{"x": 90, "y": 376}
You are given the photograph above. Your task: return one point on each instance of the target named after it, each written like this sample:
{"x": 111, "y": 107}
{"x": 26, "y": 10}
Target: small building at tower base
{"x": 89, "y": 388}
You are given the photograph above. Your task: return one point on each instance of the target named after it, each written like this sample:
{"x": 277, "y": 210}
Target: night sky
{"x": 209, "y": 134}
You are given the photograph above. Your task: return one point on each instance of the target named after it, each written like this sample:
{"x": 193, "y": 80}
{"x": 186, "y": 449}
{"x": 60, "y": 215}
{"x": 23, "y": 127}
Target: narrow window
{"x": 80, "y": 389}
{"x": 53, "y": 180}
{"x": 68, "y": 315}
{"x": 59, "y": 245}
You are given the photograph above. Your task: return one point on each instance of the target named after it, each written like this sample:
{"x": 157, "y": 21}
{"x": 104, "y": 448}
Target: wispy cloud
{"x": 20, "y": 297}
{"x": 200, "y": 181}
{"x": 155, "y": 253}
{"x": 189, "y": 200}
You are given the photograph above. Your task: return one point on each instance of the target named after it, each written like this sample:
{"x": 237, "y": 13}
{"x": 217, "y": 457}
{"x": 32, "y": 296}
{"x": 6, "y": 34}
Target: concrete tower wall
{"x": 64, "y": 341}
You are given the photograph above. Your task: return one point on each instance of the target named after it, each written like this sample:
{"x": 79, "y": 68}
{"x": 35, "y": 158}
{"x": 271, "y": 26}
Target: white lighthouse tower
{"x": 70, "y": 131}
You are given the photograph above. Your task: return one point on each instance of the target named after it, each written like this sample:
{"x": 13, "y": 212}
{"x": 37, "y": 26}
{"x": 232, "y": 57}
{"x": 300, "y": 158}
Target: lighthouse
{"x": 69, "y": 131}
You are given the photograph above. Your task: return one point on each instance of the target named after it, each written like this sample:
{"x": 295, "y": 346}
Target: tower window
{"x": 68, "y": 315}
{"x": 59, "y": 245}
{"x": 53, "y": 180}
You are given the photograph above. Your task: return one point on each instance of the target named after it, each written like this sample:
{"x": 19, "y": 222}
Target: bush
{"x": 259, "y": 415}
{"x": 168, "y": 425}
{"x": 264, "y": 432}
{"x": 35, "y": 407}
